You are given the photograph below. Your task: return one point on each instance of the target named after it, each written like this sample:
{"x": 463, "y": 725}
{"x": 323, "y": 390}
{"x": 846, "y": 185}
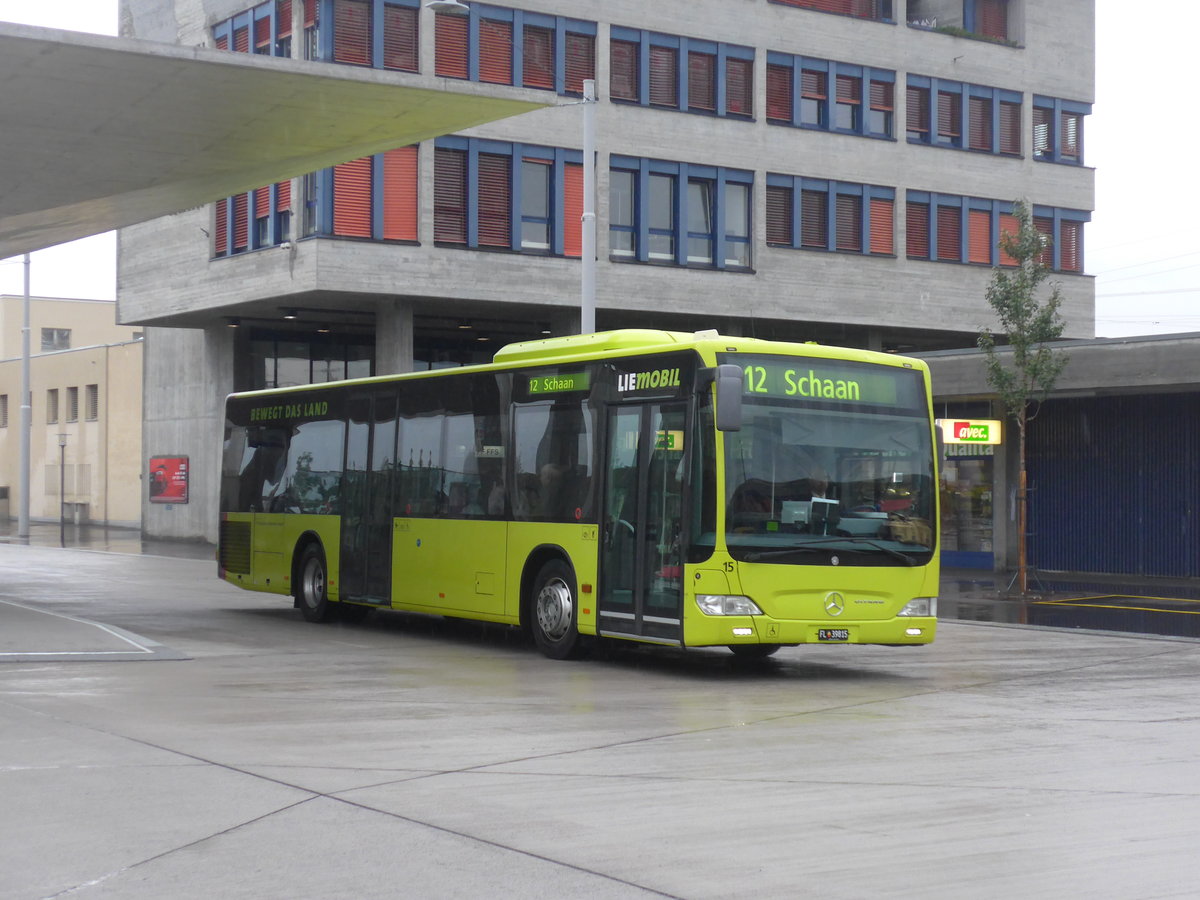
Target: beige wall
{"x": 103, "y": 453}
{"x": 90, "y": 322}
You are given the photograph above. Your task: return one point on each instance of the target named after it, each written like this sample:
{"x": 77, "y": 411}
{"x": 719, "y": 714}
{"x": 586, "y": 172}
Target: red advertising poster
{"x": 168, "y": 479}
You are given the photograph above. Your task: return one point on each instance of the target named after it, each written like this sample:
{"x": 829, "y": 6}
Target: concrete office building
{"x": 86, "y": 388}
{"x": 829, "y": 170}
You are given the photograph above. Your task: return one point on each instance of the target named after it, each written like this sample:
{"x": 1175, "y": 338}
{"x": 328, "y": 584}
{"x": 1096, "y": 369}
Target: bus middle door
{"x": 366, "y": 541}
{"x": 641, "y": 558}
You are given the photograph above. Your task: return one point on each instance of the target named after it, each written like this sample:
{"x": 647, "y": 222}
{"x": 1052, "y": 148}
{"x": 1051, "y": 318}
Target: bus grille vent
{"x": 235, "y": 547}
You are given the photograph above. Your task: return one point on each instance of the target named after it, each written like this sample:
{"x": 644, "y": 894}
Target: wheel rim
{"x": 554, "y": 608}
{"x": 313, "y": 583}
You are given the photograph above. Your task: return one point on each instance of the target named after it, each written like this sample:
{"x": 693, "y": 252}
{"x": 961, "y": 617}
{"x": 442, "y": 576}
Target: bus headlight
{"x": 920, "y": 606}
{"x": 727, "y": 605}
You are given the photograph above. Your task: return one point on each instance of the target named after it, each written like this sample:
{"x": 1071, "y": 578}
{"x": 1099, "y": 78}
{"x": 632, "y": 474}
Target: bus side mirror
{"x": 729, "y": 397}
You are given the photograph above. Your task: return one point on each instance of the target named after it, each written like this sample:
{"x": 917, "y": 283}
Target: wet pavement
{"x": 416, "y": 756}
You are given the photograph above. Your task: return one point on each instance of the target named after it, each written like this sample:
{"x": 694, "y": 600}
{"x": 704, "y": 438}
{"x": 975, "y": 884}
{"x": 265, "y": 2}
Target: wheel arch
{"x": 303, "y": 542}
{"x": 538, "y": 557}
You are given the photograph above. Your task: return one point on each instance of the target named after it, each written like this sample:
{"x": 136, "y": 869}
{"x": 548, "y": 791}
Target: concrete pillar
{"x": 566, "y": 322}
{"x": 874, "y": 339}
{"x": 393, "y": 337}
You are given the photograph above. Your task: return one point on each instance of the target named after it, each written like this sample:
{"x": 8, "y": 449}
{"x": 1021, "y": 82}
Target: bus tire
{"x": 754, "y": 651}
{"x": 554, "y": 612}
{"x": 312, "y": 585}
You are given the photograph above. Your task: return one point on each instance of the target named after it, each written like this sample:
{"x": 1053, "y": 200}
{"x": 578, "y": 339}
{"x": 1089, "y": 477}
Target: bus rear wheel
{"x": 555, "y": 614}
{"x": 312, "y": 585}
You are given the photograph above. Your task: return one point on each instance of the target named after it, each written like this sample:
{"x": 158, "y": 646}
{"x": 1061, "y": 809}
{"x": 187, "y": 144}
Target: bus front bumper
{"x": 708, "y": 631}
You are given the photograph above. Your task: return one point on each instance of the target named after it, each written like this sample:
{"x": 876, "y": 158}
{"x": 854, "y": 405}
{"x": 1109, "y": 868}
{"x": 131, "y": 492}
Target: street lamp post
{"x": 62, "y": 486}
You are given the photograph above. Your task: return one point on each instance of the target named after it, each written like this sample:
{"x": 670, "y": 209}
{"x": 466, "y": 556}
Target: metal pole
{"x": 62, "y": 491}
{"x": 26, "y": 416}
{"x": 587, "y": 311}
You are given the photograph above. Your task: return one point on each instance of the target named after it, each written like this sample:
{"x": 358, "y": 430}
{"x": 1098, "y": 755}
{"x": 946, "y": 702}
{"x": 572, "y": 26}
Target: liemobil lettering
{"x": 642, "y": 381}
{"x": 290, "y": 411}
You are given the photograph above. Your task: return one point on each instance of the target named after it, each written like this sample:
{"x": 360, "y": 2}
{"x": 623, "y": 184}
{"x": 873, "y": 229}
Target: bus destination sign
{"x": 810, "y": 380}
{"x": 559, "y": 384}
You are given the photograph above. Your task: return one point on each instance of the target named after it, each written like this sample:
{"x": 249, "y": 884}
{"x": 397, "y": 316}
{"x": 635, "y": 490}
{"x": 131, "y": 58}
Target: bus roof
{"x": 634, "y": 341}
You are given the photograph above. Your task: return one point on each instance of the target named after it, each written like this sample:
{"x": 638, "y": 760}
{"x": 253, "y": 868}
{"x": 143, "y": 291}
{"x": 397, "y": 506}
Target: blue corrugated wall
{"x": 1115, "y": 485}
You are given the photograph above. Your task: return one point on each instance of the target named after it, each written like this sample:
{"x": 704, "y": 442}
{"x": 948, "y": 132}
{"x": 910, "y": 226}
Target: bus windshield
{"x": 844, "y": 477}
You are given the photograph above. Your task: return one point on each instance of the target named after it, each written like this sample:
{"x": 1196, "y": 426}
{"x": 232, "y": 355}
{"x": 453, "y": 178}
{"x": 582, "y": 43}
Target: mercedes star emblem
{"x": 834, "y": 603}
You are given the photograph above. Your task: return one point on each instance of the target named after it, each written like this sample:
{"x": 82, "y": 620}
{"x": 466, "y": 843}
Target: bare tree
{"x": 1025, "y": 373}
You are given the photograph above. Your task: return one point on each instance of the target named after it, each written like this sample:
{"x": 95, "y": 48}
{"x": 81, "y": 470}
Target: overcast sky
{"x": 1143, "y": 244}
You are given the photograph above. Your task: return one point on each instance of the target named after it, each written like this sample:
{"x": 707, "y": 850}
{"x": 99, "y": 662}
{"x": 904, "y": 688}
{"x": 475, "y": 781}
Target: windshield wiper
{"x": 767, "y": 554}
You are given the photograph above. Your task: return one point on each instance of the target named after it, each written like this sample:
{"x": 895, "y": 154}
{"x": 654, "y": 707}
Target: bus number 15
{"x": 756, "y": 379}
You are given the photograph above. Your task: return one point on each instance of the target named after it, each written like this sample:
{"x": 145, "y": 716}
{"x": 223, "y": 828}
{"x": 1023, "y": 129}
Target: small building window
{"x": 3, "y": 410}
{"x": 72, "y": 404}
{"x": 52, "y": 406}
{"x": 56, "y": 339}
{"x": 91, "y": 408}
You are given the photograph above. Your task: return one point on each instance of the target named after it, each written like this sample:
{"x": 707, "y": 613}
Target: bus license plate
{"x": 833, "y": 634}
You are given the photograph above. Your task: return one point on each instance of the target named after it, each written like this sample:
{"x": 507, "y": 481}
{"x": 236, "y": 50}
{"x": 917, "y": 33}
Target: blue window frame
{"x": 943, "y": 113}
{"x": 1058, "y": 130}
{"x": 958, "y": 229}
{"x": 832, "y": 216}
{"x": 258, "y": 28}
{"x": 687, "y": 74}
{"x": 536, "y": 190}
{"x": 572, "y": 44}
{"x": 845, "y": 98}
{"x": 675, "y": 213}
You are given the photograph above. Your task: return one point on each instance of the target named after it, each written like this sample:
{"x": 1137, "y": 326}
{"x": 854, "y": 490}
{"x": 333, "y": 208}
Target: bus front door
{"x": 366, "y": 551}
{"x": 641, "y": 560}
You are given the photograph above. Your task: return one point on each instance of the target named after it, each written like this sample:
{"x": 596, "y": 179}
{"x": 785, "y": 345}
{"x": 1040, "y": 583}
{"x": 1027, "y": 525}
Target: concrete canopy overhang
{"x": 101, "y": 132}
{"x": 1130, "y": 365}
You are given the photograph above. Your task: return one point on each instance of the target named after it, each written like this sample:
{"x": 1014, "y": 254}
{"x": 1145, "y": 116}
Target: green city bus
{"x": 688, "y": 490}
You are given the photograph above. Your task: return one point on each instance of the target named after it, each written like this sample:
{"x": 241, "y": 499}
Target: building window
{"x": 56, "y": 339}
{"x": 504, "y": 46}
{"x": 702, "y": 82}
{"x": 935, "y": 113}
{"x": 538, "y": 50}
{"x": 278, "y": 359}
{"x": 679, "y": 214}
{"x": 737, "y": 225}
{"x": 265, "y": 30}
{"x": 535, "y": 204}
{"x": 878, "y": 10}
{"x": 830, "y": 216}
{"x": 812, "y": 80}
{"x": 1058, "y": 130}
{"x": 52, "y": 406}
{"x": 401, "y": 38}
{"x": 495, "y": 51}
{"x": 664, "y": 77}
{"x": 91, "y": 404}
{"x": 352, "y": 32}
{"x": 3, "y": 410}
{"x": 621, "y": 213}
{"x": 681, "y": 73}
{"x": 969, "y": 230}
{"x": 72, "y": 404}
{"x": 490, "y": 194}
{"x": 988, "y": 18}
{"x": 661, "y": 209}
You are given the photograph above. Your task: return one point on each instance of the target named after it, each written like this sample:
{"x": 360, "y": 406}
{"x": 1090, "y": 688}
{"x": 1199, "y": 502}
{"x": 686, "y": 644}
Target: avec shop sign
{"x": 970, "y": 431}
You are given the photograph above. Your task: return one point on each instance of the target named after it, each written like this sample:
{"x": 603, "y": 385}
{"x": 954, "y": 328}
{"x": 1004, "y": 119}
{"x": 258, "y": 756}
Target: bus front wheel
{"x": 555, "y": 613}
{"x": 312, "y": 585}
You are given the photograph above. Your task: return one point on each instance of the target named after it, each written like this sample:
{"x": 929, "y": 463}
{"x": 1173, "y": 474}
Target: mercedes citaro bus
{"x": 688, "y": 490}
